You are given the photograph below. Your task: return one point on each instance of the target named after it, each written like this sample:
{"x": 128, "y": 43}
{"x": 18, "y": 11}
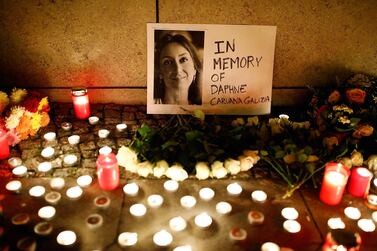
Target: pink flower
{"x": 13, "y": 138}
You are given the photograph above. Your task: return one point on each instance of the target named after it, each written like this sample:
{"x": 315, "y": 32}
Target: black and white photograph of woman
{"x": 178, "y": 67}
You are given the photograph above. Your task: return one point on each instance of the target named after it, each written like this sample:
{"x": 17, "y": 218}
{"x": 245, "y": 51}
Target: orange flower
{"x": 334, "y": 97}
{"x": 24, "y": 127}
{"x": 45, "y": 119}
{"x": 330, "y": 142}
{"x": 356, "y": 96}
{"x": 363, "y": 131}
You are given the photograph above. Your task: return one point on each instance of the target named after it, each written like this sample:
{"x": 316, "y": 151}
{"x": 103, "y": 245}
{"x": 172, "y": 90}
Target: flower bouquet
{"x": 22, "y": 113}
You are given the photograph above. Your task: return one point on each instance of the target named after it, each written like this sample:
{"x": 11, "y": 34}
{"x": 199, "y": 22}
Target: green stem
{"x": 279, "y": 172}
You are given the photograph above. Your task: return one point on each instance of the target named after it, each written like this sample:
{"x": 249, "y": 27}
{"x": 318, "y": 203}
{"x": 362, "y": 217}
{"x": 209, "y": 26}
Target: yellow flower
{"x": 4, "y": 101}
{"x": 36, "y": 121}
{"x": 17, "y": 95}
{"x": 42, "y": 103}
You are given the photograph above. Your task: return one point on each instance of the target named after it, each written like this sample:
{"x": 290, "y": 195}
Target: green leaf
{"x": 264, "y": 153}
{"x": 144, "y": 131}
{"x": 308, "y": 150}
{"x": 199, "y": 114}
{"x": 169, "y": 144}
{"x": 193, "y": 135}
{"x": 279, "y": 154}
{"x": 302, "y": 157}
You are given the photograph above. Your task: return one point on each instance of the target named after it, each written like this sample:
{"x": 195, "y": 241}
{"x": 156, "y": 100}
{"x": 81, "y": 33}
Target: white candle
{"x": 93, "y": 120}
{"x": 374, "y": 216}
{"x": 183, "y": 248}
{"x": 20, "y": 219}
{"x": 131, "y": 189}
{"x": 102, "y": 201}
{"x": 66, "y": 238}
{"x": 53, "y": 197}
{"x": 206, "y": 193}
{"x": 352, "y": 213}
{"x": 367, "y": 225}
{"x": 127, "y": 239}
{"x": 50, "y": 136}
{"x": 283, "y": 116}
{"x": 255, "y": 217}
{"x": 66, "y": 126}
{"x": 14, "y": 186}
{"x": 20, "y": 171}
{"x": 48, "y": 152}
{"x": 44, "y": 167}
{"x": 84, "y": 180}
{"x": 94, "y": 221}
{"x": 74, "y": 139}
{"x": 292, "y": 226}
{"x": 171, "y": 185}
{"x": 70, "y": 159}
{"x": 74, "y": 192}
{"x": 289, "y": 213}
{"x": 162, "y": 238}
{"x": 47, "y": 212}
{"x": 177, "y": 224}
{"x": 203, "y": 220}
{"x": 372, "y": 199}
{"x": 237, "y": 234}
{"x": 103, "y": 133}
{"x": 270, "y": 246}
{"x": 188, "y": 201}
{"x": 259, "y": 196}
{"x": 138, "y": 210}
{"x": 234, "y": 189}
{"x": 121, "y": 127}
{"x": 37, "y": 191}
{"x": 336, "y": 223}
{"x": 15, "y": 161}
{"x": 155, "y": 200}
{"x": 223, "y": 208}
{"x": 105, "y": 150}
{"x": 57, "y": 183}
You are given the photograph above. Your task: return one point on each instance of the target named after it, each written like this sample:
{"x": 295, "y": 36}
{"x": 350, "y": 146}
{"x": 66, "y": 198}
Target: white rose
{"x": 247, "y": 162}
{"x": 131, "y": 167}
{"x": 276, "y": 127}
{"x": 127, "y": 158}
{"x": 177, "y": 173}
{"x": 160, "y": 169}
{"x": 233, "y": 166}
{"x": 144, "y": 169}
{"x": 218, "y": 170}
{"x": 202, "y": 170}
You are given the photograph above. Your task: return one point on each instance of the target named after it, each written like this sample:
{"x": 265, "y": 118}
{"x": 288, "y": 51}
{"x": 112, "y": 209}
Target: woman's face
{"x": 176, "y": 66}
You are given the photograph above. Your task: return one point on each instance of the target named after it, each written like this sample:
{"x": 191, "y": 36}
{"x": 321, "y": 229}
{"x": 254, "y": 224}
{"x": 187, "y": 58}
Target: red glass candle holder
{"x": 4, "y": 146}
{"x": 107, "y": 171}
{"x": 333, "y": 184}
{"x": 80, "y": 99}
{"x": 359, "y": 182}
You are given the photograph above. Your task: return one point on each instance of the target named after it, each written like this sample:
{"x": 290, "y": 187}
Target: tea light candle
{"x": 177, "y": 224}
{"x": 284, "y": 116}
{"x": 37, "y": 191}
{"x": 127, "y": 239}
{"x": 206, "y": 193}
{"x": 70, "y": 159}
{"x": 84, "y": 180}
{"x": 103, "y": 133}
{"x": 259, "y": 196}
{"x": 15, "y": 161}
{"x": 47, "y": 212}
{"x": 102, "y": 201}
{"x": 20, "y": 219}
{"x": 131, "y": 189}
{"x": 223, "y": 208}
{"x": 53, "y": 197}
{"x": 359, "y": 182}
{"x": 289, "y": 213}
{"x": 255, "y": 217}
{"x": 188, "y": 201}
{"x": 352, "y": 213}
{"x": 43, "y": 228}
{"x": 367, "y": 225}
{"x": 121, "y": 127}
{"x": 372, "y": 200}
{"x": 93, "y": 120}
{"x": 26, "y": 243}
{"x": 203, "y": 220}
{"x": 14, "y": 186}
{"x": 74, "y": 139}
{"x": 270, "y": 246}
{"x": 234, "y": 189}
{"x": 183, "y": 248}
{"x": 66, "y": 126}
{"x": 66, "y": 238}
{"x": 74, "y": 192}
{"x": 155, "y": 200}
{"x": 374, "y": 216}
{"x": 57, "y": 183}
{"x": 237, "y": 234}
{"x": 48, "y": 152}
{"x": 138, "y": 210}
{"x": 94, "y": 221}
{"x": 50, "y": 136}
{"x": 44, "y": 167}
{"x": 171, "y": 185}
{"x": 162, "y": 238}
{"x": 20, "y": 171}
{"x": 336, "y": 223}
{"x": 292, "y": 226}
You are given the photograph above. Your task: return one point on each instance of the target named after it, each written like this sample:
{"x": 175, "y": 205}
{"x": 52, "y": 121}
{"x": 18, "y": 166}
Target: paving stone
{"x": 118, "y": 134}
{"x": 96, "y": 107}
{"x": 87, "y": 137}
{"x": 112, "y": 121}
{"x": 32, "y": 163}
{"x": 113, "y": 107}
{"x": 129, "y": 109}
{"x": 53, "y": 143}
{"x": 80, "y": 130}
{"x": 30, "y": 153}
{"x": 89, "y": 163}
{"x": 89, "y": 154}
{"x": 30, "y": 144}
{"x": 63, "y": 133}
{"x": 106, "y": 142}
{"x": 130, "y": 122}
{"x": 65, "y": 172}
{"x": 67, "y": 148}
{"x": 111, "y": 113}
{"x": 123, "y": 142}
{"x": 142, "y": 108}
{"x": 141, "y": 115}
{"x": 87, "y": 146}
{"x": 57, "y": 163}
{"x": 128, "y": 116}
